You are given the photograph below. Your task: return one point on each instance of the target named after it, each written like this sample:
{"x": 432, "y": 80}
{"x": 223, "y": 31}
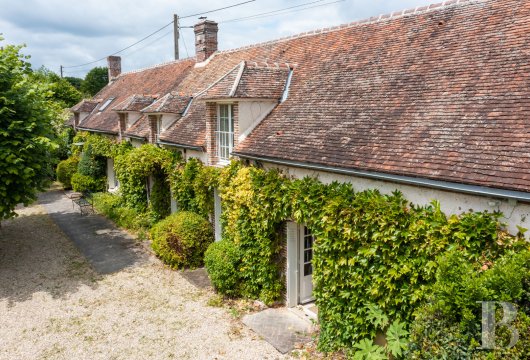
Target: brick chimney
{"x": 205, "y": 38}
{"x": 114, "y": 66}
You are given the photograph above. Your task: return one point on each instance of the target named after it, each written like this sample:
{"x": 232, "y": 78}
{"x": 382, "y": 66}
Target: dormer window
{"x": 106, "y": 103}
{"x": 225, "y": 131}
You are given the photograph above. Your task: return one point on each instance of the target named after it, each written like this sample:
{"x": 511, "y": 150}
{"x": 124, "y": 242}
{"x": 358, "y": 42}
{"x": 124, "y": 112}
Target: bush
{"x": 160, "y": 205}
{"x": 181, "y": 239}
{"x": 449, "y": 325}
{"x": 83, "y": 183}
{"x": 65, "y": 170}
{"x": 111, "y": 206}
{"x": 92, "y": 165}
{"x": 222, "y": 260}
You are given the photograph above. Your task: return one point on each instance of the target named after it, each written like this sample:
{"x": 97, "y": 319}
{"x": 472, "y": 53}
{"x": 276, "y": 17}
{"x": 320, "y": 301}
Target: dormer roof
{"x": 251, "y": 80}
{"x": 172, "y": 103}
{"x": 135, "y": 103}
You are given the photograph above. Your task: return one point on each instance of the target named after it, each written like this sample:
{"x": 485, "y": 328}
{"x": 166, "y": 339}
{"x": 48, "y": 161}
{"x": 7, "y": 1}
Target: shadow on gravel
{"x": 106, "y": 247}
{"x": 36, "y": 257}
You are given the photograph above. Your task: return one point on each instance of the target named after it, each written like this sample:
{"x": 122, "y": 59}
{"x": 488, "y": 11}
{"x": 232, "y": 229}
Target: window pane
{"x": 308, "y": 255}
{"x": 308, "y": 269}
{"x": 225, "y": 134}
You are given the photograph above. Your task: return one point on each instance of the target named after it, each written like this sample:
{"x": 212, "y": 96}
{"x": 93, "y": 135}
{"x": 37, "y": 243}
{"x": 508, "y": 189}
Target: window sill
{"x": 222, "y": 163}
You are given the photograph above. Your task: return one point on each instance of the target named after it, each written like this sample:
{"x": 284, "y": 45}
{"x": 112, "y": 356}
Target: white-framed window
{"x": 225, "y": 131}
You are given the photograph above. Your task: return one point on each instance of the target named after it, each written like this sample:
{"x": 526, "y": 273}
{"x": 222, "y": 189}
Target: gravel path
{"x": 53, "y": 305}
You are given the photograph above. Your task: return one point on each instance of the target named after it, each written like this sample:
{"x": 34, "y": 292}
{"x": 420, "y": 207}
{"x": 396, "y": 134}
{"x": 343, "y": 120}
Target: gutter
{"x": 190, "y": 147}
{"x": 408, "y": 180}
{"x": 135, "y": 137}
{"x": 94, "y": 130}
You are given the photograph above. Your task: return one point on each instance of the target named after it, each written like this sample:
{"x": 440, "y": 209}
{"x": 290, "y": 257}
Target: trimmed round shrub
{"x": 65, "y": 170}
{"x": 181, "y": 239}
{"x": 222, "y": 261}
{"x": 83, "y": 183}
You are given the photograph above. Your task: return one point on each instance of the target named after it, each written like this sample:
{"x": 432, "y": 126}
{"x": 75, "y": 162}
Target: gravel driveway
{"x": 53, "y": 305}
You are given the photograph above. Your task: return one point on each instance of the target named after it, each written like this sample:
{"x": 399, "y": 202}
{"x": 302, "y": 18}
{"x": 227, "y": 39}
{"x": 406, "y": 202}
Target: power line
{"x": 211, "y": 11}
{"x": 273, "y": 11}
{"x": 157, "y": 31}
{"x": 185, "y": 47}
{"x": 150, "y": 43}
{"x": 117, "y": 52}
{"x": 293, "y": 9}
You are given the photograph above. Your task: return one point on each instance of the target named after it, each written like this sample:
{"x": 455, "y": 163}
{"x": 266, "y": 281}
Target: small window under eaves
{"x": 106, "y": 103}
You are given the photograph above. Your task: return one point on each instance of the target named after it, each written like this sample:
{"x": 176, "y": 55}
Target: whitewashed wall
{"x": 137, "y": 142}
{"x": 111, "y": 175}
{"x": 166, "y": 121}
{"x": 250, "y": 115}
{"x": 132, "y": 117}
{"x": 201, "y": 155}
{"x": 515, "y": 213}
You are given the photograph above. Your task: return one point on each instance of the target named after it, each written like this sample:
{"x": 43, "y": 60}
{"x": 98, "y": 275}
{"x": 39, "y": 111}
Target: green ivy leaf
{"x": 367, "y": 350}
{"x": 396, "y": 337}
{"x": 376, "y": 316}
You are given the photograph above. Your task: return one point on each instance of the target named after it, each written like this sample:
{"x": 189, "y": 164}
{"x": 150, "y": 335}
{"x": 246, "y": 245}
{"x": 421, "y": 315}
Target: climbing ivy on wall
{"x": 192, "y": 184}
{"x": 255, "y": 206}
{"x": 133, "y": 169}
{"x": 370, "y": 248}
{"x": 101, "y": 145}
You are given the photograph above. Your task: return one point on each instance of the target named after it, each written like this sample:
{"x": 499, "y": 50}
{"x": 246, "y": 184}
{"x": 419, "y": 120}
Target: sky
{"x": 71, "y": 33}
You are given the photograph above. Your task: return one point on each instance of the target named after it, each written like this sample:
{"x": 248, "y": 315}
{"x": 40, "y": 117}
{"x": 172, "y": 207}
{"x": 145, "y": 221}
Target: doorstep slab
{"x": 280, "y": 327}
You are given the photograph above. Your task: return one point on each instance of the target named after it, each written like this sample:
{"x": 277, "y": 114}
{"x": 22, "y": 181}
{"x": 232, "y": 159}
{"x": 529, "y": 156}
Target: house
{"x": 431, "y": 101}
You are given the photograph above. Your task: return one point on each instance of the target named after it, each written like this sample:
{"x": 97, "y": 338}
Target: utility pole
{"x": 176, "y": 35}
{"x": 61, "y": 71}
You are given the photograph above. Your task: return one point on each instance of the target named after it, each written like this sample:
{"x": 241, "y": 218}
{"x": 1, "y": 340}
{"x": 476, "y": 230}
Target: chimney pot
{"x": 114, "y": 66}
{"x": 205, "y": 39}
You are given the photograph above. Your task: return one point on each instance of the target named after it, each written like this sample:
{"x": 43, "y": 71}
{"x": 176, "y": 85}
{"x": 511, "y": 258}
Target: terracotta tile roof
{"x": 84, "y": 106}
{"x": 156, "y": 80}
{"x": 442, "y": 95}
{"x": 140, "y": 128}
{"x": 171, "y": 103}
{"x": 440, "y": 92}
{"x": 189, "y": 130}
{"x": 135, "y": 103}
{"x": 251, "y": 80}
{"x": 223, "y": 87}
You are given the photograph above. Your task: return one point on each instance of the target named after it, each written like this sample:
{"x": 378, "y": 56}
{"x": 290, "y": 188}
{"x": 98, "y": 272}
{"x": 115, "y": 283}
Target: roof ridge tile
{"x": 171, "y": 62}
{"x": 372, "y": 20}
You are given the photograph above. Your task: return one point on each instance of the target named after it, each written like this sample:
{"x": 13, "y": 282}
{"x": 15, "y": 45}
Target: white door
{"x": 306, "y": 265}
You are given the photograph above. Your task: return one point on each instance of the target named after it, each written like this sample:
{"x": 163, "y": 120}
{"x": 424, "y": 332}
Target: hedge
{"x": 83, "y": 183}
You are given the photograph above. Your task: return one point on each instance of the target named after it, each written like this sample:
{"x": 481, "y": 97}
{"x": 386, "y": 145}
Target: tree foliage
{"x": 26, "y": 131}
{"x": 95, "y": 80}
{"x": 63, "y": 93}
{"x": 74, "y": 81}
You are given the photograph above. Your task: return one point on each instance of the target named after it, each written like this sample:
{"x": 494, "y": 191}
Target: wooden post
{"x": 176, "y": 35}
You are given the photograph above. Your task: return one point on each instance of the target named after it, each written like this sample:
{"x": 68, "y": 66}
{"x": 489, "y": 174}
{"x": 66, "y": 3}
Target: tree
{"x": 64, "y": 93}
{"x": 74, "y": 81}
{"x": 26, "y": 131}
{"x": 95, "y": 80}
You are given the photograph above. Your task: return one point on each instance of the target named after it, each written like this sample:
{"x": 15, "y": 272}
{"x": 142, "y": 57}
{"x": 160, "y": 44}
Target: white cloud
{"x": 60, "y": 32}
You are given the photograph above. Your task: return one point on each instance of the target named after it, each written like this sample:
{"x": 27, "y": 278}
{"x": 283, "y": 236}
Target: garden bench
{"x": 83, "y": 200}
